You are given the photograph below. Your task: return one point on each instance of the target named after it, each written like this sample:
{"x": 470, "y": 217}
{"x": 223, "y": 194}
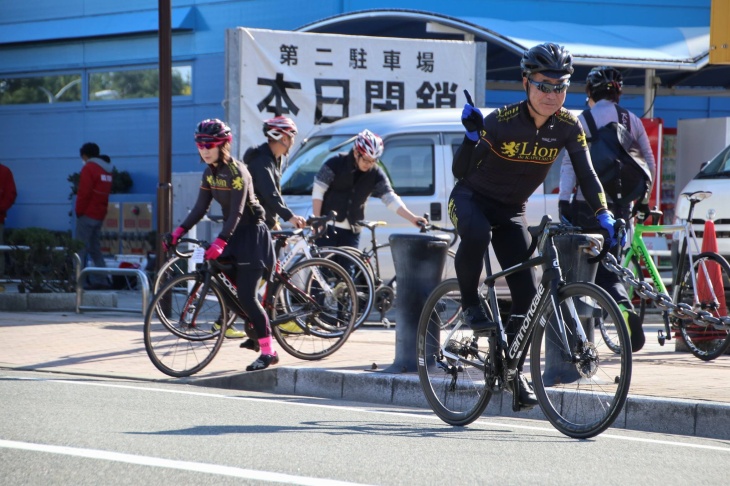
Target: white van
{"x": 715, "y": 178}
{"x": 419, "y": 149}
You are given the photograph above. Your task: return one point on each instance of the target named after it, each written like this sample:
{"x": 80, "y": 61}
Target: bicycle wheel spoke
{"x": 454, "y": 387}
{"x": 179, "y": 333}
{"x": 582, "y": 389}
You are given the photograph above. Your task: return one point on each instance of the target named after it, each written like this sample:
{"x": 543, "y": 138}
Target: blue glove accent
{"x": 473, "y": 121}
{"x": 564, "y": 211}
{"x": 608, "y": 223}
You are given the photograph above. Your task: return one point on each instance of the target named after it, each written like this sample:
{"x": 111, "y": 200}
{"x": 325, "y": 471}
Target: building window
{"x": 136, "y": 84}
{"x": 62, "y": 88}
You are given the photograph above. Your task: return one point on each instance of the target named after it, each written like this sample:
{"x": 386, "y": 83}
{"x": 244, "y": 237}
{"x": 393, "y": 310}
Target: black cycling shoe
{"x": 263, "y": 362}
{"x": 476, "y": 319}
{"x": 252, "y": 344}
{"x": 525, "y": 394}
{"x": 635, "y": 330}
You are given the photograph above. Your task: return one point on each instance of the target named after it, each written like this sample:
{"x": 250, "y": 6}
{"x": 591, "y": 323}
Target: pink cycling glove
{"x": 215, "y": 249}
{"x": 176, "y": 235}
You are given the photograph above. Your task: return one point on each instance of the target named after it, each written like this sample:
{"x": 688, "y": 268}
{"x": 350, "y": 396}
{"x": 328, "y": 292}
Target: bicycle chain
{"x": 663, "y": 301}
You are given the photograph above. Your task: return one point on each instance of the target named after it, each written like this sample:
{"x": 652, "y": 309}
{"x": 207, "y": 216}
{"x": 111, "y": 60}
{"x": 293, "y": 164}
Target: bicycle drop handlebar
{"x": 429, "y": 226}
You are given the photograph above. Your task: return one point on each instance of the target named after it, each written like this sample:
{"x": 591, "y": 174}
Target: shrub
{"x": 42, "y": 268}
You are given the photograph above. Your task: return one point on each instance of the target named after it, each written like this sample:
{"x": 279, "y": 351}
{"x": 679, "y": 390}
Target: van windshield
{"x": 298, "y": 177}
{"x": 718, "y": 167}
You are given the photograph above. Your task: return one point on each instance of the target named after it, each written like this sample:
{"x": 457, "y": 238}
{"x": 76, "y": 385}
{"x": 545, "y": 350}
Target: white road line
{"x": 403, "y": 414}
{"x": 171, "y": 464}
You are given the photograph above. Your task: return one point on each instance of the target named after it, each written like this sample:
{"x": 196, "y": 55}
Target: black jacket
{"x": 349, "y": 188}
{"x": 265, "y": 170}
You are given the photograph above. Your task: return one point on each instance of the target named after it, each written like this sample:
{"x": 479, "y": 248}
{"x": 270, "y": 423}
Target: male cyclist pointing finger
{"x": 502, "y": 160}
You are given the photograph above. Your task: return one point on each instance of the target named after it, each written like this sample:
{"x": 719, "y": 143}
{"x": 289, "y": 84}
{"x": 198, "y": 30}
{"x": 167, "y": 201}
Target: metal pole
{"x": 164, "y": 187}
{"x": 649, "y": 90}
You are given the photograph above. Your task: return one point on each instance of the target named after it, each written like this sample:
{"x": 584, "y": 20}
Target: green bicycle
{"x": 696, "y": 296}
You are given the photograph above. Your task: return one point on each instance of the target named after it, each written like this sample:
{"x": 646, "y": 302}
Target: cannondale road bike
{"x": 581, "y": 384}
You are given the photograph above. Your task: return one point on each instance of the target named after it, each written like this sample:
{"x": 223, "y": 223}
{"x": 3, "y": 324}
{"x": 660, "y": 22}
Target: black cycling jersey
{"x": 230, "y": 185}
{"x": 513, "y": 156}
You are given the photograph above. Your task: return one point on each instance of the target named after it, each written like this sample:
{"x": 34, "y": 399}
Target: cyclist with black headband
{"x": 502, "y": 160}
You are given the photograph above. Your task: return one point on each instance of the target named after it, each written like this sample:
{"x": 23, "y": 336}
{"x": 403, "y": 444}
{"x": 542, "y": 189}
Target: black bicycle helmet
{"x": 604, "y": 78}
{"x": 552, "y": 60}
{"x": 212, "y": 130}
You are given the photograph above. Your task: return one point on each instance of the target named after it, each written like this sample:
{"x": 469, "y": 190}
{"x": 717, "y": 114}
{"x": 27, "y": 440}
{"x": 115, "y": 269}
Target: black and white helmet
{"x": 552, "y": 60}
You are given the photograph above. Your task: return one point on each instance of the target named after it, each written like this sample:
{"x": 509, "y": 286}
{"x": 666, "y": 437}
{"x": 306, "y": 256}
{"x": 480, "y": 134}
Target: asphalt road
{"x": 60, "y": 429}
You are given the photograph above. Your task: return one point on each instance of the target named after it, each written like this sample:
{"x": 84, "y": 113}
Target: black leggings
{"x": 480, "y": 221}
{"x": 247, "y": 282}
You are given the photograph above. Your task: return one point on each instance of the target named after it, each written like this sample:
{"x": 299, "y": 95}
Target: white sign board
{"x": 320, "y": 78}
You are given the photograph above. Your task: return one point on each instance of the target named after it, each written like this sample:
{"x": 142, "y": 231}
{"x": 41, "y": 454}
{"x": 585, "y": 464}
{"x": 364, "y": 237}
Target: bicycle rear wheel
{"x": 178, "y": 327}
{"x": 361, "y": 274}
{"x": 455, "y": 389}
{"x": 581, "y": 394}
{"x": 711, "y": 273}
{"x": 314, "y": 309}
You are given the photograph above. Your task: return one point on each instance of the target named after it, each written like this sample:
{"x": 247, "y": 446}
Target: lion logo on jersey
{"x": 509, "y": 149}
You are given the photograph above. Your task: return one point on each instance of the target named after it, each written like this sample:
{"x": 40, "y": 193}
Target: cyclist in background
{"x": 264, "y": 164}
{"x": 344, "y": 184}
{"x": 502, "y": 160}
{"x": 244, "y": 235}
{"x": 603, "y": 87}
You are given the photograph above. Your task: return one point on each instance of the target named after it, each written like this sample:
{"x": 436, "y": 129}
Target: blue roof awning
{"x": 617, "y": 45}
{"x": 628, "y": 46}
{"x": 678, "y": 56}
{"x": 94, "y": 27}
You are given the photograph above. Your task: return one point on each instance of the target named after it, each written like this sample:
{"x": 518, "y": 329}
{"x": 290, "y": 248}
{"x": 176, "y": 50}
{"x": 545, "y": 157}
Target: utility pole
{"x": 164, "y": 187}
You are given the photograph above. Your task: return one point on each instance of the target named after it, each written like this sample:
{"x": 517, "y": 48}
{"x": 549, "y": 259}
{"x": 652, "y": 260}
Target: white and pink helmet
{"x": 369, "y": 144}
{"x": 279, "y": 126}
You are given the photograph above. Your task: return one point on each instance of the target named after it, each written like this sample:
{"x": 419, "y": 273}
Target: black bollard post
{"x": 575, "y": 268}
{"x": 419, "y": 263}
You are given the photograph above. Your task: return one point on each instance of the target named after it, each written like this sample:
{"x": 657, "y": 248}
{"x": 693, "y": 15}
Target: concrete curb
{"x": 644, "y": 413}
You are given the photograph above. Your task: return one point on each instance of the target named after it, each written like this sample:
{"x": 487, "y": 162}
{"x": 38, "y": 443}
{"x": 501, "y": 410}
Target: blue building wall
{"x": 40, "y": 142}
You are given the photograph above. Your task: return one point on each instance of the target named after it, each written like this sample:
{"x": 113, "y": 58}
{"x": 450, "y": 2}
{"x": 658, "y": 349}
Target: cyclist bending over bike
{"x": 502, "y": 160}
{"x": 244, "y": 237}
{"x": 346, "y": 181}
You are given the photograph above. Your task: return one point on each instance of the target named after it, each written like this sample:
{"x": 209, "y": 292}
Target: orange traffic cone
{"x": 705, "y": 294}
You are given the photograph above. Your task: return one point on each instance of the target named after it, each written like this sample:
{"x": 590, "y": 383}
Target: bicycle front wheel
{"x": 179, "y": 333}
{"x": 447, "y": 354}
{"x": 705, "y": 287}
{"x": 314, "y": 309}
{"x": 582, "y": 391}
{"x": 172, "y": 268}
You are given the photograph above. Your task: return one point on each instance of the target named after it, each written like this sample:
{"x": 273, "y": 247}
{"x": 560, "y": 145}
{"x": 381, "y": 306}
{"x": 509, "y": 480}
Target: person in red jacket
{"x": 92, "y": 199}
{"x": 7, "y": 198}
